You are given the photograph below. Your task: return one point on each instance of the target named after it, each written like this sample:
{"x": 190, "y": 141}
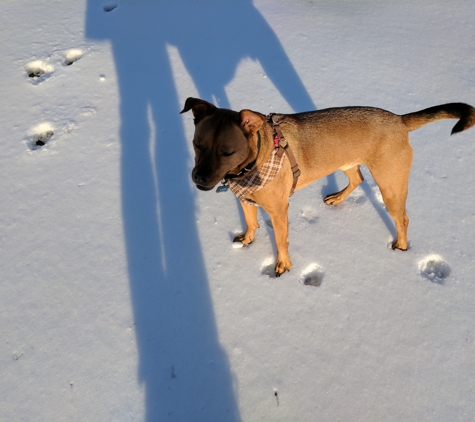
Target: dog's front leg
{"x": 250, "y": 216}
{"x": 280, "y": 221}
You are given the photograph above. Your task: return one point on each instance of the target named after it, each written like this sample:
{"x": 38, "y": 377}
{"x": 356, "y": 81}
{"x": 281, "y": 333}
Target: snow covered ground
{"x": 121, "y": 297}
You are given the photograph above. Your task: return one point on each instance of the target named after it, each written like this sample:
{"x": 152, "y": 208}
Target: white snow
{"x": 72, "y": 56}
{"x": 121, "y": 295}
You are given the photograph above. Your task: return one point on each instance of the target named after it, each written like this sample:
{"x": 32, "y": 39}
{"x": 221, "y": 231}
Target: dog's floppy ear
{"x": 200, "y": 108}
{"x": 251, "y": 121}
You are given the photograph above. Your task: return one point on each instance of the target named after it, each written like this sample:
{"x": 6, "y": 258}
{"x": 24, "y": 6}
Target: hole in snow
{"x": 309, "y": 214}
{"x": 312, "y": 275}
{"x": 38, "y": 68}
{"x": 434, "y": 268}
{"x": 109, "y": 7}
{"x": 40, "y": 135}
{"x": 268, "y": 267}
{"x": 72, "y": 56}
{"x": 41, "y": 138}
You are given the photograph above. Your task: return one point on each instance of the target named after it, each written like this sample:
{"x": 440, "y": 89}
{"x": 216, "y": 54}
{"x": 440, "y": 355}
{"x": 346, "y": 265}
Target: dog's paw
{"x": 333, "y": 198}
{"x": 281, "y": 266}
{"x": 397, "y": 245}
{"x": 244, "y": 239}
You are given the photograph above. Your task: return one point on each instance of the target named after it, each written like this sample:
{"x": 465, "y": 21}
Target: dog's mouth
{"x": 204, "y": 188}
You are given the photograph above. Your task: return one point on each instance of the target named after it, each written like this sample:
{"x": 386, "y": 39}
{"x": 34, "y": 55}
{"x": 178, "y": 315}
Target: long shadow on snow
{"x": 182, "y": 365}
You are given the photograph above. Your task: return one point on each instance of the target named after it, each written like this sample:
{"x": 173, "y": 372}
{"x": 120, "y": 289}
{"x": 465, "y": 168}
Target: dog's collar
{"x": 249, "y": 166}
{"x": 282, "y": 146}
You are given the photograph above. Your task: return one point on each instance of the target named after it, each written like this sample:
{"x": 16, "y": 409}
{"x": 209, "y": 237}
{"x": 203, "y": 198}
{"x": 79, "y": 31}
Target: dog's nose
{"x": 199, "y": 178}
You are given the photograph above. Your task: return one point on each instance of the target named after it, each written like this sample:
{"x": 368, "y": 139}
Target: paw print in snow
{"x": 434, "y": 268}
{"x": 312, "y": 275}
{"x": 38, "y": 70}
{"x": 40, "y": 136}
{"x": 309, "y": 214}
{"x": 110, "y": 6}
{"x": 72, "y": 56}
{"x": 268, "y": 267}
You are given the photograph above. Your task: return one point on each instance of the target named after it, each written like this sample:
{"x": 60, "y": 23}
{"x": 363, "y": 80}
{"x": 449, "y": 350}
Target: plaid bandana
{"x": 258, "y": 179}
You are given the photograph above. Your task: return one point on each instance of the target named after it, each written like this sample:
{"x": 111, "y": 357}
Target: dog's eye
{"x": 198, "y": 147}
{"x": 228, "y": 154}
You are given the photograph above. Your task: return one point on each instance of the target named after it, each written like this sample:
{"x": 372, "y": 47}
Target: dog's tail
{"x": 464, "y": 112}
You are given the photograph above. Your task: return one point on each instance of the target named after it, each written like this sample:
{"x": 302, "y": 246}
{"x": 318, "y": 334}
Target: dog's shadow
{"x": 265, "y": 222}
{"x": 380, "y": 209}
{"x": 330, "y": 187}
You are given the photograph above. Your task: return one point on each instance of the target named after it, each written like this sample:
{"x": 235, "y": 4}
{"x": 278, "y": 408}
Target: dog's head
{"x": 223, "y": 141}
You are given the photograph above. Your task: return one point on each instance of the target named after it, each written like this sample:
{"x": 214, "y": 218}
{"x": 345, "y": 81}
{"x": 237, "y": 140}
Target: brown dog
{"x": 234, "y": 145}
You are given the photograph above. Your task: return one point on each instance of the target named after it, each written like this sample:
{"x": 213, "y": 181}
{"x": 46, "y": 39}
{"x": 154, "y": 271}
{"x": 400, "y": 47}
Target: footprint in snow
{"x": 72, "y": 56}
{"x": 110, "y": 6}
{"x": 312, "y": 275}
{"x": 268, "y": 267}
{"x": 38, "y": 70}
{"x": 434, "y": 268}
{"x": 40, "y": 136}
{"x": 309, "y": 214}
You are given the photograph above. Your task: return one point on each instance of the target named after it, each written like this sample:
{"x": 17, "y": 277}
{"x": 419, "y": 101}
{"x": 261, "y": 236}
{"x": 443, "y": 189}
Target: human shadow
{"x": 185, "y": 372}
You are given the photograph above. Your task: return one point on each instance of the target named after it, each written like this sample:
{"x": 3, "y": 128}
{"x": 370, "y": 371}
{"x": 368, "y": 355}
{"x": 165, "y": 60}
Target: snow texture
{"x": 121, "y": 295}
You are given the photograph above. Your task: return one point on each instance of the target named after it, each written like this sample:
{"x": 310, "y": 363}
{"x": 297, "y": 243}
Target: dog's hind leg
{"x": 250, "y": 216}
{"x": 396, "y": 204}
{"x": 355, "y": 178}
{"x": 392, "y": 177}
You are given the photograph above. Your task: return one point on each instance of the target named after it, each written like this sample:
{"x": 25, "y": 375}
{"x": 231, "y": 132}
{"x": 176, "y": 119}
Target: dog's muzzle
{"x": 201, "y": 181}
{"x": 204, "y": 188}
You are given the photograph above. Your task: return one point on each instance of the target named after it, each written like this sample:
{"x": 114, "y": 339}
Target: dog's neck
{"x": 267, "y": 144}
{"x": 250, "y": 165}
